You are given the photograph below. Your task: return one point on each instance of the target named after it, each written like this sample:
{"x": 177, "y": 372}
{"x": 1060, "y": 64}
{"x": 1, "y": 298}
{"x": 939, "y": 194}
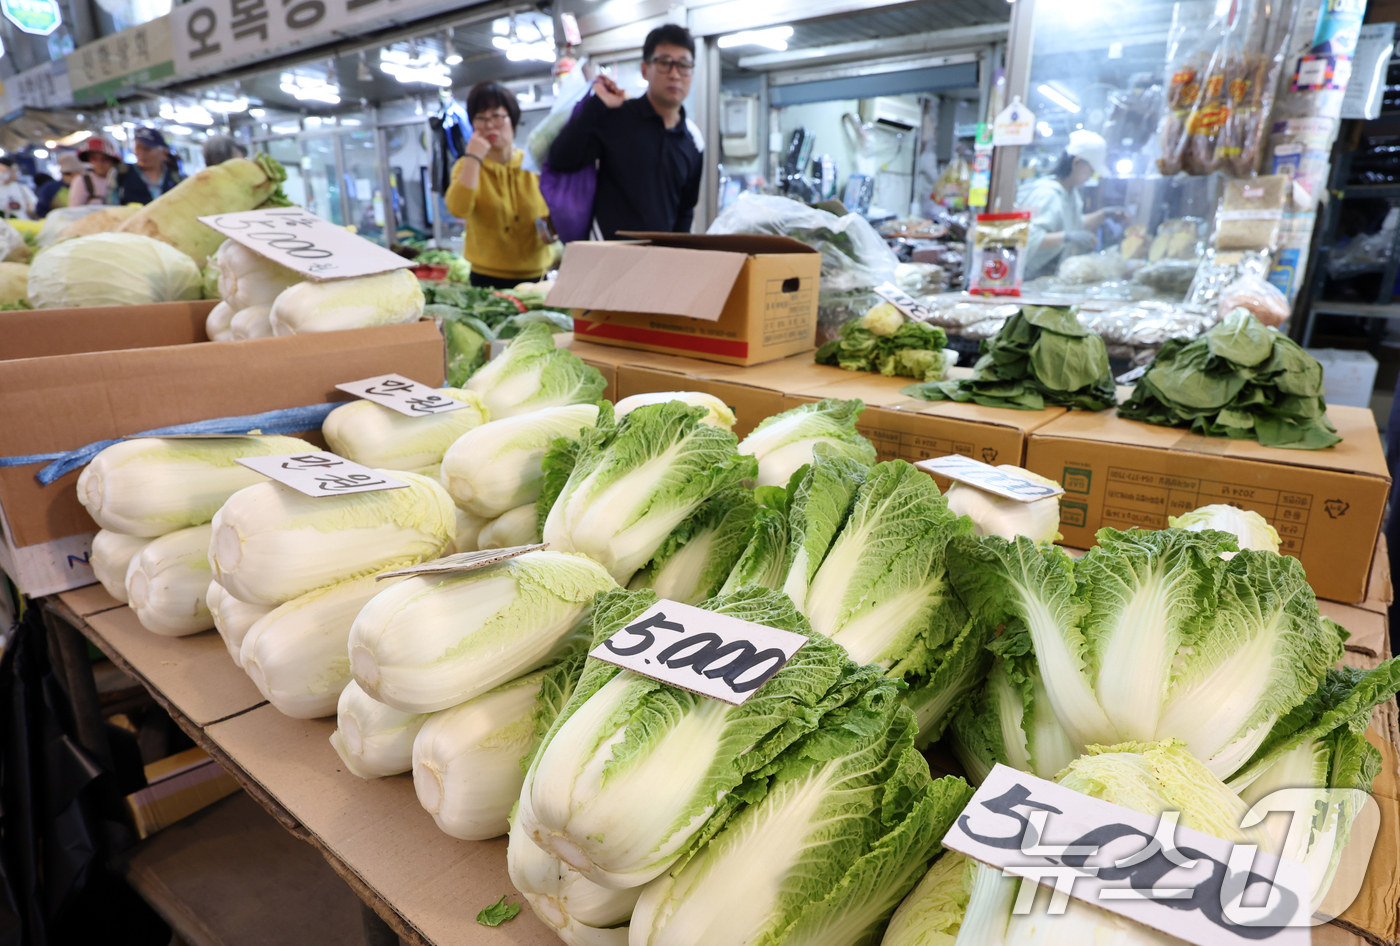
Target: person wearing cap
{"x": 16, "y": 199}
{"x": 1059, "y": 227}
{"x": 100, "y": 156}
{"x": 153, "y": 174}
{"x": 56, "y": 193}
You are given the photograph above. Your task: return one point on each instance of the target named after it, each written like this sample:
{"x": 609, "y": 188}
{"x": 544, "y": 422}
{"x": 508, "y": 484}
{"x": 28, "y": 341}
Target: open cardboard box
{"x": 1326, "y": 504}
{"x": 737, "y": 299}
{"x": 40, "y": 333}
{"x": 65, "y": 400}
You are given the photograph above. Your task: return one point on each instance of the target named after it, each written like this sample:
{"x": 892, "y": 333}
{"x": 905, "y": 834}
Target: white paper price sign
{"x": 398, "y": 393}
{"x": 711, "y": 654}
{"x": 301, "y": 241}
{"x": 1002, "y": 482}
{"x": 901, "y": 300}
{"x": 1197, "y": 887}
{"x": 321, "y": 473}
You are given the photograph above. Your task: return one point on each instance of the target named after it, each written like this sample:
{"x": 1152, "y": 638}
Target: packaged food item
{"x": 1251, "y": 212}
{"x": 1224, "y": 66}
{"x": 1178, "y": 238}
{"x": 1301, "y": 148}
{"x": 1268, "y": 304}
{"x": 1318, "y": 62}
{"x": 999, "y": 253}
{"x": 1220, "y": 269}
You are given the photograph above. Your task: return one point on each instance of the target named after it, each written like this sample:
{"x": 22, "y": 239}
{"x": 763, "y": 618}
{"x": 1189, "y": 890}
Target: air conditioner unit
{"x": 903, "y": 114}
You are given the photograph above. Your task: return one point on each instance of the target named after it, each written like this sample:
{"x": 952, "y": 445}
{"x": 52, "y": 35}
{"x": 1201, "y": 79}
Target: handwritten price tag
{"x": 711, "y": 654}
{"x": 1197, "y": 887}
{"x": 398, "y": 393}
{"x": 901, "y": 300}
{"x": 321, "y": 474}
{"x": 1002, "y": 482}
{"x": 301, "y": 241}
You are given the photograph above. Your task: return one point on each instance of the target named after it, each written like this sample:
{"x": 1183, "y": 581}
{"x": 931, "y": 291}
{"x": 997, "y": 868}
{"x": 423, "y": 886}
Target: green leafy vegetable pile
{"x": 1240, "y": 380}
{"x": 883, "y": 340}
{"x": 472, "y": 317}
{"x": 1042, "y": 355}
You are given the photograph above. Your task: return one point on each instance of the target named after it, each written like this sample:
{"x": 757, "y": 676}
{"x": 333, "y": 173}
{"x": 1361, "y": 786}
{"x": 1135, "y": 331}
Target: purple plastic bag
{"x": 569, "y": 196}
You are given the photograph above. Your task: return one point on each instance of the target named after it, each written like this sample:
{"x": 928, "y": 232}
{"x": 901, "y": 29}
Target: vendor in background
{"x": 153, "y": 174}
{"x": 56, "y": 193}
{"x": 16, "y": 199}
{"x": 101, "y": 156}
{"x": 499, "y": 201}
{"x": 1059, "y": 228}
{"x": 221, "y": 148}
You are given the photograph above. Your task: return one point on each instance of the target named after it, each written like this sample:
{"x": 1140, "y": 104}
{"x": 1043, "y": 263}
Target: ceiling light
{"x": 1044, "y": 128}
{"x": 51, "y": 144}
{"x": 500, "y": 42}
{"x": 350, "y": 121}
{"x": 40, "y": 153}
{"x": 221, "y": 107}
{"x": 453, "y": 59}
{"x": 286, "y": 128}
{"x": 313, "y": 121}
{"x": 74, "y": 138}
{"x": 186, "y": 114}
{"x": 1124, "y": 166}
{"x": 179, "y": 129}
{"x": 774, "y": 38}
{"x": 257, "y": 112}
{"x": 1058, "y": 97}
{"x": 310, "y": 89}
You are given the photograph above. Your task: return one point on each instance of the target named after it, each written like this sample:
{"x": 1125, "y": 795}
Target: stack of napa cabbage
{"x": 153, "y": 499}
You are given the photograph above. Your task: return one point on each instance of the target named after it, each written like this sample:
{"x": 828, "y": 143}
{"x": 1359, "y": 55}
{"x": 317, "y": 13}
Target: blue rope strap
{"x": 289, "y": 420}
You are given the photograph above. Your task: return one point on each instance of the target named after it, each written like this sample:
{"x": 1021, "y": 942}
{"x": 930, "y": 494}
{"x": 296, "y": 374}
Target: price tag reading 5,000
{"x": 707, "y": 653}
{"x": 305, "y": 243}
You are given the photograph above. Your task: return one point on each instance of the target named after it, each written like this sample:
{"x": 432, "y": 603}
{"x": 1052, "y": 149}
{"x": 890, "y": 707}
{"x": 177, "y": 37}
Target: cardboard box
{"x": 1348, "y": 377}
{"x": 64, "y": 401}
{"x": 39, "y": 333}
{"x": 738, "y": 299}
{"x": 176, "y": 787}
{"x": 906, "y": 428}
{"x": 1326, "y": 504}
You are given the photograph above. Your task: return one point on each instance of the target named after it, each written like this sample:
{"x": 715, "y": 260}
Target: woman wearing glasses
{"x": 649, "y": 155}
{"x": 498, "y": 200}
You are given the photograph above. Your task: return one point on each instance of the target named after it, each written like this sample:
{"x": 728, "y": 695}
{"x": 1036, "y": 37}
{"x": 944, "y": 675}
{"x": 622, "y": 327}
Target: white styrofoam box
{"x": 49, "y": 567}
{"x": 1347, "y": 376}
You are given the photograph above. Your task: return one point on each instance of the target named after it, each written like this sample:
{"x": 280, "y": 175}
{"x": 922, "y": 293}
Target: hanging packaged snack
{"x": 1223, "y": 70}
{"x": 999, "y": 253}
{"x": 1251, "y": 213}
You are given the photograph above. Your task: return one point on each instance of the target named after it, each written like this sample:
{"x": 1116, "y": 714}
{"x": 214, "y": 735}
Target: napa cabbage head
{"x": 532, "y": 373}
{"x": 933, "y": 912}
{"x": 111, "y": 269}
{"x": 1251, "y": 530}
{"x": 590, "y": 797}
{"x": 720, "y": 414}
{"x": 433, "y": 641}
{"x": 357, "y": 302}
{"x": 246, "y": 277}
{"x": 997, "y": 515}
{"x": 631, "y": 484}
{"x": 695, "y": 560}
{"x": 377, "y": 436}
{"x": 847, "y": 825}
{"x": 149, "y": 486}
{"x": 1152, "y": 635}
{"x": 499, "y": 465}
{"x": 783, "y": 443}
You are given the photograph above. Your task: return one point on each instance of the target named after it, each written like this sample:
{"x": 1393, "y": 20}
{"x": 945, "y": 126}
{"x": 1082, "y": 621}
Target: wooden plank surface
{"x": 377, "y": 829}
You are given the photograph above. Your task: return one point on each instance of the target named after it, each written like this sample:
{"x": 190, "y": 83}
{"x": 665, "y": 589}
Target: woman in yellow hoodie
{"x": 498, "y": 199}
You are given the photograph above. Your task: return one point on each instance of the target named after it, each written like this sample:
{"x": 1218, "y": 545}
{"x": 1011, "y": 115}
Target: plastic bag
{"x": 58, "y": 220}
{"x": 573, "y": 89}
{"x": 1093, "y": 268}
{"x": 1262, "y": 298}
{"x": 1223, "y": 69}
{"x": 854, "y": 256}
{"x": 1219, "y": 270}
{"x": 10, "y": 240}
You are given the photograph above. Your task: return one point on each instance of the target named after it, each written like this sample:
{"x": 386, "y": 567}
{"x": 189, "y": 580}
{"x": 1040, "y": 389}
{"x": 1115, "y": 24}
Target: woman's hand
{"x": 478, "y": 146}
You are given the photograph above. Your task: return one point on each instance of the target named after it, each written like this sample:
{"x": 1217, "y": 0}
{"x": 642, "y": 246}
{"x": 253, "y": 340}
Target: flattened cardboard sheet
{"x": 380, "y": 831}
{"x": 194, "y": 673}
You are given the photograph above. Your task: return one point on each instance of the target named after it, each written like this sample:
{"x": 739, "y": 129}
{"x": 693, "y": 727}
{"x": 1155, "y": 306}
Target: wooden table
{"x": 421, "y": 884}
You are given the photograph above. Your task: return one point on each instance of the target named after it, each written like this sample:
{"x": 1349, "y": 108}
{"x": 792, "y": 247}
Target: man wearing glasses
{"x": 648, "y": 153}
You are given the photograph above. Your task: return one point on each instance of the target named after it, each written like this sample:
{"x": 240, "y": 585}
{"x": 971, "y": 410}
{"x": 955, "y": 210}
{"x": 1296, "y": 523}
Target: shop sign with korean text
{"x": 142, "y": 55}
{"x": 304, "y": 242}
{"x": 212, "y": 35}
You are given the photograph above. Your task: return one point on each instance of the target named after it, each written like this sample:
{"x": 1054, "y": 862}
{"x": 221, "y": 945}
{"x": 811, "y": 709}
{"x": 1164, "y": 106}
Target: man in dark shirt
{"x": 649, "y": 154}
